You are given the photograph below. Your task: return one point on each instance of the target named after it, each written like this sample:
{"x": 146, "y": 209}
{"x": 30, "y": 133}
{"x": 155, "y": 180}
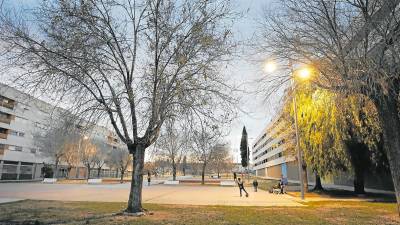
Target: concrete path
{"x": 163, "y": 194}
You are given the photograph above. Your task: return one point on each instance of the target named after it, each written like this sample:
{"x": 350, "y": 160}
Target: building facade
{"x": 21, "y": 118}
{"x": 269, "y": 151}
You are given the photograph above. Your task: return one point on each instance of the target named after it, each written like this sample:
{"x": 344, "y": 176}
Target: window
{"x": 16, "y": 133}
{"x": 15, "y": 148}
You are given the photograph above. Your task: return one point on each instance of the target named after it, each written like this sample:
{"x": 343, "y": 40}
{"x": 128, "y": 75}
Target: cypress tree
{"x": 244, "y": 148}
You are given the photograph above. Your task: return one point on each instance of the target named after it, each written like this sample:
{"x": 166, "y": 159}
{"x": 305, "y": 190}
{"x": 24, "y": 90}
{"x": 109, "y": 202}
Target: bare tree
{"x": 121, "y": 159}
{"x": 88, "y": 154}
{"x": 135, "y": 62}
{"x": 172, "y": 144}
{"x": 221, "y": 161}
{"x": 55, "y": 141}
{"x": 353, "y": 46}
{"x": 103, "y": 150}
{"x": 71, "y": 156}
{"x": 160, "y": 165}
{"x": 204, "y": 141}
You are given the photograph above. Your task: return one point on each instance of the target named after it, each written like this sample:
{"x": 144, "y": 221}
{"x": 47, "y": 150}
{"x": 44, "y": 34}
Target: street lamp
{"x": 79, "y": 152}
{"x": 304, "y": 74}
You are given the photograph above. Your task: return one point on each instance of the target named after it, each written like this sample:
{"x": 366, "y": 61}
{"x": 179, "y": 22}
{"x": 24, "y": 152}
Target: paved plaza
{"x": 162, "y": 194}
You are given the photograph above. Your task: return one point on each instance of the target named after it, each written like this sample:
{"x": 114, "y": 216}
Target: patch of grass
{"x": 330, "y": 212}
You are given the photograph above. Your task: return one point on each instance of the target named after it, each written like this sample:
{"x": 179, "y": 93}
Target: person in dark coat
{"x": 255, "y": 185}
{"x": 241, "y": 187}
{"x": 234, "y": 176}
{"x": 148, "y": 178}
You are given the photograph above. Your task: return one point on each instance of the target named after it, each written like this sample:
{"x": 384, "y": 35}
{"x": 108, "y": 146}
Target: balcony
{"x": 7, "y": 102}
{"x": 4, "y": 119}
{"x": 7, "y": 105}
{"x": 3, "y": 136}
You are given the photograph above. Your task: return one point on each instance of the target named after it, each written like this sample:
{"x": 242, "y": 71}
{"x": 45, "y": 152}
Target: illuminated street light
{"x": 304, "y": 74}
{"x": 270, "y": 67}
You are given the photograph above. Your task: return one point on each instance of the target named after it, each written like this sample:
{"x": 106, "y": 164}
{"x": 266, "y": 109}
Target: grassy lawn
{"x": 55, "y": 212}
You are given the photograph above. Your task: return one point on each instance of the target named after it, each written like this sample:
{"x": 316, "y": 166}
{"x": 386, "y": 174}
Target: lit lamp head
{"x": 270, "y": 67}
{"x": 304, "y": 73}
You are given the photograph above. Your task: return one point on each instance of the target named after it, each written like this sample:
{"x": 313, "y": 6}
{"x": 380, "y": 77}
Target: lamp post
{"x": 248, "y": 159}
{"x": 304, "y": 74}
{"x": 79, "y": 152}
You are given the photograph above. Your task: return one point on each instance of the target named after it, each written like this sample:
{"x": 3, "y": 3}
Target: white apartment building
{"x": 21, "y": 116}
{"x": 269, "y": 153}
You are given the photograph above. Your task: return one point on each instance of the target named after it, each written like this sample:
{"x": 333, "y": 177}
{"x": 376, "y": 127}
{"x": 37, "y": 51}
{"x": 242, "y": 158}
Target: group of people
{"x": 283, "y": 182}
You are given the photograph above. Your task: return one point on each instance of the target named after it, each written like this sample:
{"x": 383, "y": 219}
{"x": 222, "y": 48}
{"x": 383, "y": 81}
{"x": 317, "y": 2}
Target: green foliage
{"x": 327, "y": 121}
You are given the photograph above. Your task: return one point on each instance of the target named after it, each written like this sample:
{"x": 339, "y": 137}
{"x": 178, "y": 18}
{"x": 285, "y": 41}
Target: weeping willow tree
{"x": 337, "y": 133}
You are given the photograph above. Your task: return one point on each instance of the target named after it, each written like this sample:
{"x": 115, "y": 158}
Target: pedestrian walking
{"x": 241, "y": 187}
{"x": 148, "y": 178}
{"x": 255, "y": 185}
{"x": 234, "y": 176}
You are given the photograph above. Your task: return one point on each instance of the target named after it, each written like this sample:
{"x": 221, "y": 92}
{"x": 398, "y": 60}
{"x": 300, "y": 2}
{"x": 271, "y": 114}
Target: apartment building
{"x": 269, "y": 153}
{"x": 21, "y": 117}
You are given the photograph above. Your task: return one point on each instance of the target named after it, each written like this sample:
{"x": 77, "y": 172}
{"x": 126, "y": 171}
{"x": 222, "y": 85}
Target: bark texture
{"x": 305, "y": 176}
{"x": 389, "y": 116}
{"x": 318, "y": 183}
{"x": 135, "y": 194}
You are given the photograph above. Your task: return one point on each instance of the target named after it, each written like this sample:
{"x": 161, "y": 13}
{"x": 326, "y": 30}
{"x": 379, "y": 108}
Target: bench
{"x": 95, "y": 181}
{"x": 171, "y": 182}
{"x": 49, "y": 180}
{"x": 227, "y": 183}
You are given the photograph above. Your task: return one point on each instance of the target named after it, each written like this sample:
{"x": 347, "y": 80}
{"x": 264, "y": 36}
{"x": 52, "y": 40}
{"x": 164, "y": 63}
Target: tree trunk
{"x": 305, "y": 177}
{"x": 389, "y": 117}
{"x": 135, "y": 194}
{"x": 88, "y": 172}
{"x": 173, "y": 171}
{"x": 203, "y": 171}
{"x": 318, "y": 184}
{"x": 55, "y": 174}
{"x": 360, "y": 161}
{"x": 359, "y": 180}
{"x": 122, "y": 176}
{"x": 69, "y": 171}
